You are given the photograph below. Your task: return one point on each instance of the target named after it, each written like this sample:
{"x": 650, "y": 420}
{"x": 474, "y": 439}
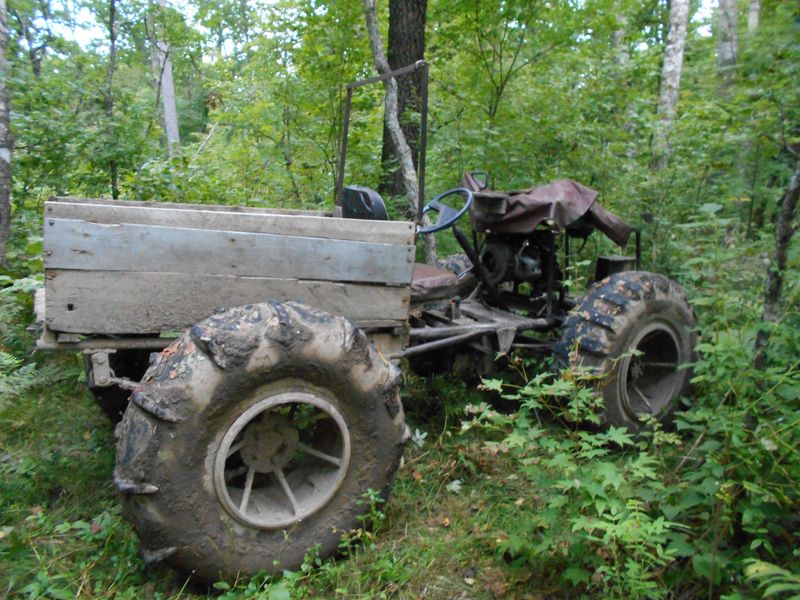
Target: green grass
{"x": 476, "y": 512}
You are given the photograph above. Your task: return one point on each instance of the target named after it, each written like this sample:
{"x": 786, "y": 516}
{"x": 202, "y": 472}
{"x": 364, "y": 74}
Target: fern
{"x": 16, "y": 377}
{"x": 8, "y": 363}
{"x": 774, "y": 579}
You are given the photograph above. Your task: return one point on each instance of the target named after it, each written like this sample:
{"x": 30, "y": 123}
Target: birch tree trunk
{"x": 753, "y": 15}
{"x": 727, "y": 41}
{"x": 5, "y": 138}
{"x": 165, "y": 86}
{"x": 670, "y": 81}
{"x": 393, "y": 124}
{"x": 784, "y": 231}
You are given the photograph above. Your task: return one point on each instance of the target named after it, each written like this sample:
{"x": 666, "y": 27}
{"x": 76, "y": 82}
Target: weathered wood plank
{"x": 115, "y": 302}
{"x": 182, "y": 205}
{"x": 72, "y": 244}
{"x": 386, "y": 232}
{"x": 38, "y": 305}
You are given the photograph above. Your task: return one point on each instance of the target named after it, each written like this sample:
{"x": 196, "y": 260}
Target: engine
{"x": 519, "y": 258}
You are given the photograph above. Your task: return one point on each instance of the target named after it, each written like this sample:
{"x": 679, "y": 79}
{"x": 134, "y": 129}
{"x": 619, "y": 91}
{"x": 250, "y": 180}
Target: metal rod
{"x": 551, "y": 267}
{"x": 441, "y": 332}
{"x": 453, "y": 330}
{"x": 451, "y": 341}
{"x": 108, "y": 343}
{"x": 337, "y": 192}
{"x": 562, "y": 294}
{"x": 638, "y": 232}
{"x": 423, "y": 141}
{"x": 420, "y": 64}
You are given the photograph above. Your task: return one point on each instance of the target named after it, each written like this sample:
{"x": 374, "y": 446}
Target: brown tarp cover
{"x": 563, "y": 202}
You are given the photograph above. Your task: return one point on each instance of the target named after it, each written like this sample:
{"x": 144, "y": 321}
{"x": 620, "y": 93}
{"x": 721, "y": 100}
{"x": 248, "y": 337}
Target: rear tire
{"x": 635, "y": 331}
{"x": 255, "y": 437}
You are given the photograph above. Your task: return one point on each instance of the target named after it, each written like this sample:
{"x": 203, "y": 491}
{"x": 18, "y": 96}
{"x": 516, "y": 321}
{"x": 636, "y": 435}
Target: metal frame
{"x": 420, "y": 65}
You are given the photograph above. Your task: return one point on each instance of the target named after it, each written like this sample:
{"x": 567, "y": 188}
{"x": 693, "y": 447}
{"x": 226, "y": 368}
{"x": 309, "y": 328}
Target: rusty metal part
{"x": 562, "y": 202}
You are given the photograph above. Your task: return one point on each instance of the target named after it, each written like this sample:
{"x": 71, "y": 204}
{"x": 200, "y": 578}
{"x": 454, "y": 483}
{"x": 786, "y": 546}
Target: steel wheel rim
{"x": 650, "y": 379}
{"x": 282, "y": 460}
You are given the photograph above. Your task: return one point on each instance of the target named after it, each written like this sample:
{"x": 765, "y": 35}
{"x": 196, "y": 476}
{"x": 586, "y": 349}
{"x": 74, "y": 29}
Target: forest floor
{"x": 61, "y": 534}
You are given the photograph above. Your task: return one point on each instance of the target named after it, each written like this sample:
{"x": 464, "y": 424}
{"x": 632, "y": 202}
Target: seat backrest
{"x": 363, "y": 203}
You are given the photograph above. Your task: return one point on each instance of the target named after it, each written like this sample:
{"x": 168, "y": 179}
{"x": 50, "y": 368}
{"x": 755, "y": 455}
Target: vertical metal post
{"x": 423, "y": 138}
{"x": 551, "y": 268}
{"x": 638, "y": 231}
{"x": 420, "y": 65}
{"x": 337, "y": 191}
{"x": 562, "y": 293}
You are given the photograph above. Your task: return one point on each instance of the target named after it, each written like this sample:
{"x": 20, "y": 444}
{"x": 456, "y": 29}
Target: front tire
{"x": 635, "y": 332}
{"x": 254, "y": 438}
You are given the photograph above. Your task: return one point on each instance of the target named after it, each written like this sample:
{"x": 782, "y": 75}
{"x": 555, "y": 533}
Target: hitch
{"x": 102, "y": 375}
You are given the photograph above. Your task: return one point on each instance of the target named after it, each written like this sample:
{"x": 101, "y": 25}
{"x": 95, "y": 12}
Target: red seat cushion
{"x": 429, "y": 283}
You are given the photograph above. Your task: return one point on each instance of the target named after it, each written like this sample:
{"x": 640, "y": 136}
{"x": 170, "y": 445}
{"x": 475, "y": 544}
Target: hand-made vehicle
{"x": 255, "y": 350}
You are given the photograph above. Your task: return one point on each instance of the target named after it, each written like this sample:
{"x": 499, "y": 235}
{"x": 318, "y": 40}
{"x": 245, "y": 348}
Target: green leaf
{"x": 788, "y": 392}
{"x": 707, "y": 565}
{"x": 279, "y": 592}
{"x": 710, "y": 208}
{"x": 492, "y": 385}
{"x": 576, "y": 575}
{"x": 620, "y": 436}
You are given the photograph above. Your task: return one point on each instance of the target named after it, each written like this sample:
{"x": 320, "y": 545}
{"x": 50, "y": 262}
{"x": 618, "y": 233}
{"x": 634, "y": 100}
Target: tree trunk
{"x": 727, "y": 41}
{"x": 670, "y": 81}
{"x": 162, "y": 72}
{"x": 406, "y": 46}
{"x": 393, "y": 124}
{"x": 108, "y": 99}
{"x": 5, "y": 138}
{"x": 622, "y": 51}
{"x": 784, "y": 230}
{"x": 753, "y": 15}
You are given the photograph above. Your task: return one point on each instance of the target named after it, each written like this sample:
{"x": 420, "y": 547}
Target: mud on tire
{"x": 635, "y": 331}
{"x": 254, "y": 437}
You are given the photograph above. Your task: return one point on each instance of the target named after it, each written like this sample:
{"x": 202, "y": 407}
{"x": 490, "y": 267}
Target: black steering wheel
{"x": 447, "y": 215}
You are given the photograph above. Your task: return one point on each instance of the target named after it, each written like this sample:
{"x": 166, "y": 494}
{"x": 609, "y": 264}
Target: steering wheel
{"x": 447, "y": 215}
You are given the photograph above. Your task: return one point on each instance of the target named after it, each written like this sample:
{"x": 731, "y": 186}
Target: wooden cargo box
{"x": 124, "y": 267}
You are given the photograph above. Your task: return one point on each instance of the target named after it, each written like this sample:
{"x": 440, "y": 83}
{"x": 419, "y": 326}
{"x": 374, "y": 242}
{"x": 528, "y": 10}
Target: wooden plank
{"x": 72, "y": 244}
{"x": 38, "y": 305}
{"x": 386, "y": 232}
{"x": 114, "y": 302}
{"x": 182, "y": 205}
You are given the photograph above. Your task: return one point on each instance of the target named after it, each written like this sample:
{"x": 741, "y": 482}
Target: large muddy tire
{"x": 112, "y": 399}
{"x": 255, "y": 437}
{"x": 635, "y": 332}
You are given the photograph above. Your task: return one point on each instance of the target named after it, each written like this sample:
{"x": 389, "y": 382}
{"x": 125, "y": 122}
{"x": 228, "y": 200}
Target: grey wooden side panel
{"x": 81, "y": 245}
{"x": 181, "y": 205}
{"x": 386, "y": 232}
{"x": 114, "y": 302}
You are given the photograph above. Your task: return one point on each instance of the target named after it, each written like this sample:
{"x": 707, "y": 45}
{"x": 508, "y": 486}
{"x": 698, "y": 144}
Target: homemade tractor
{"x": 254, "y": 435}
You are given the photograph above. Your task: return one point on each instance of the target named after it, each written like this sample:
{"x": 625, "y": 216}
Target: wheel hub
{"x": 649, "y": 376}
{"x": 269, "y": 443}
{"x": 282, "y": 460}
